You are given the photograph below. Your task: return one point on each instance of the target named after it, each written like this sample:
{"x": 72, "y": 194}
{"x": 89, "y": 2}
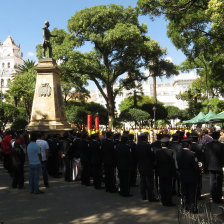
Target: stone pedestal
{"x": 48, "y": 114}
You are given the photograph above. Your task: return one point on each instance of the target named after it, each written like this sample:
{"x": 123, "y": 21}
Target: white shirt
{"x": 43, "y": 147}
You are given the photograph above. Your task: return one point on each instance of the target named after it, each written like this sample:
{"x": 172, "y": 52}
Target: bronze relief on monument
{"x": 44, "y": 90}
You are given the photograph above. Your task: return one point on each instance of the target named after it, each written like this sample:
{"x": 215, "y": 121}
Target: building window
{"x": 2, "y": 82}
{"x": 8, "y": 82}
{"x": 8, "y": 64}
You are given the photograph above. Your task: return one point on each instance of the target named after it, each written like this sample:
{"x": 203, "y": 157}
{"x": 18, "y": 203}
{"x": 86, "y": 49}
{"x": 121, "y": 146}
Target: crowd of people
{"x": 171, "y": 164}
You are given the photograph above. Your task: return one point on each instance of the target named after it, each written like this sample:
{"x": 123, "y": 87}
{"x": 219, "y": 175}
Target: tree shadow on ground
{"x": 73, "y": 203}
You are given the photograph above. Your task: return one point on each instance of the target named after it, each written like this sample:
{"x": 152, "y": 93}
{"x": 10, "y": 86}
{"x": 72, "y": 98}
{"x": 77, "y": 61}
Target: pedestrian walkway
{"x": 72, "y": 203}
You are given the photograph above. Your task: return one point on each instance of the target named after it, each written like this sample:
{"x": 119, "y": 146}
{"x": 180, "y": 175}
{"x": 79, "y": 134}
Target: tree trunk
{"x": 110, "y": 106}
{"x": 154, "y": 90}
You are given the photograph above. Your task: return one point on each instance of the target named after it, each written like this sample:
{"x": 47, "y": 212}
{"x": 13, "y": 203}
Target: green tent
{"x": 218, "y": 118}
{"x": 207, "y": 117}
{"x": 195, "y": 119}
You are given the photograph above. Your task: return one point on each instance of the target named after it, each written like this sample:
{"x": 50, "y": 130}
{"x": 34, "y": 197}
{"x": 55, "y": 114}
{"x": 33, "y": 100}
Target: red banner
{"x": 97, "y": 123}
{"x": 89, "y": 121}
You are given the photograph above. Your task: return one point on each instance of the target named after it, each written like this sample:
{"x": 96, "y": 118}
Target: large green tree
{"x": 8, "y": 113}
{"x": 118, "y": 46}
{"x": 21, "y": 90}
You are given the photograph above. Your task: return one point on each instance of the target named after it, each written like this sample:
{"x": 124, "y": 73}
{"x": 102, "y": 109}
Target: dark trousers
{"x": 85, "y": 174}
{"x": 110, "y": 178}
{"x": 189, "y": 190}
{"x": 146, "y": 186}
{"x": 124, "y": 178}
{"x": 68, "y": 169}
{"x": 133, "y": 176}
{"x": 176, "y": 185}
{"x": 216, "y": 178}
{"x": 18, "y": 176}
{"x": 165, "y": 188}
{"x": 97, "y": 175}
{"x": 7, "y": 162}
{"x": 44, "y": 173}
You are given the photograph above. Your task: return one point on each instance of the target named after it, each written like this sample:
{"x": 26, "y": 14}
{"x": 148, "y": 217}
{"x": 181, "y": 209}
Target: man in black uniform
{"x": 166, "y": 170}
{"x": 109, "y": 162}
{"x": 145, "y": 166}
{"x": 196, "y": 147}
{"x": 189, "y": 174}
{"x": 67, "y": 155}
{"x": 214, "y": 156}
{"x": 176, "y": 147}
{"x": 124, "y": 161}
{"x": 96, "y": 160}
{"x": 85, "y": 156}
{"x": 156, "y": 146}
{"x": 134, "y": 160}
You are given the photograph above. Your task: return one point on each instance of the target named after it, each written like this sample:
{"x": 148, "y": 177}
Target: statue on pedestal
{"x": 46, "y": 41}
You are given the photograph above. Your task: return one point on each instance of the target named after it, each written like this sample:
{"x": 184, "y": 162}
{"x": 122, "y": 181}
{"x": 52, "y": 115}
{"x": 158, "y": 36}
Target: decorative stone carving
{"x": 44, "y": 90}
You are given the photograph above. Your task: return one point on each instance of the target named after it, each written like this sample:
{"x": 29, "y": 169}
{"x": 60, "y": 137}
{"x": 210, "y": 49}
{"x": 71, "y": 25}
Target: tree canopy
{"x": 119, "y": 47}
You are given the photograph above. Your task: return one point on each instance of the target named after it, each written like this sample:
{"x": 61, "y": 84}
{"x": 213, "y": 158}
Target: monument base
{"x": 48, "y": 113}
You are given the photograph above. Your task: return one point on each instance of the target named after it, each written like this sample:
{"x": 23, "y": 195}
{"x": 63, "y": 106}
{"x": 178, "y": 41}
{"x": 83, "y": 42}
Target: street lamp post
{"x": 154, "y": 113}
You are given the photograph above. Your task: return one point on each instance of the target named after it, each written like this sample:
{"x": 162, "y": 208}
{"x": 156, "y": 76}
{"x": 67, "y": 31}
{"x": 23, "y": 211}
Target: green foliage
{"x": 215, "y": 104}
{"x": 21, "y": 90}
{"x": 76, "y": 112}
{"x": 134, "y": 115}
{"x": 173, "y": 112}
{"x": 146, "y": 104}
{"x": 19, "y": 124}
{"x": 8, "y": 113}
{"x": 196, "y": 28}
{"x": 120, "y": 46}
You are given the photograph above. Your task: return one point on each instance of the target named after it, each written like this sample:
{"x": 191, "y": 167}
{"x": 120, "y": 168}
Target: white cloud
{"x": 30, "y": 54}
{"x": 169, "y": 59}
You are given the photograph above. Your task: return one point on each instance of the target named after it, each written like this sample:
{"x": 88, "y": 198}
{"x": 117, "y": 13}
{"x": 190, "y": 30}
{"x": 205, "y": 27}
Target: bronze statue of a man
{"x": 46, "y": 41}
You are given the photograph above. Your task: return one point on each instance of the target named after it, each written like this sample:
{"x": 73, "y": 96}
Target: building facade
{"x": 10, "y": 58}
{"x": 166, "y": 91}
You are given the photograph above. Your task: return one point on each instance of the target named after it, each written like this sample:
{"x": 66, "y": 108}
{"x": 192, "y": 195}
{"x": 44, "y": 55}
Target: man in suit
{"x": 146, "y": 160}
{"x": 214, "y": 156}
{"x": 165, "y": 165}
{"x": 109, "y": 162}
{"x": 124, "y": 161}
{"x": 176, "y": 147}
{"x": 189, "y": 174}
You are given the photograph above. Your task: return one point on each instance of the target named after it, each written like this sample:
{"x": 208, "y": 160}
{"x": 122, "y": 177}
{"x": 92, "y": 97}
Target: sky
{"x": 24, "y": 19}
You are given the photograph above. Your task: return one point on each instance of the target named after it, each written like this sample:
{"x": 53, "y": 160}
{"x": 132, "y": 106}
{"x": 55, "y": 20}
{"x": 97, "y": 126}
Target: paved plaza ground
{"x": 72, "y": 203}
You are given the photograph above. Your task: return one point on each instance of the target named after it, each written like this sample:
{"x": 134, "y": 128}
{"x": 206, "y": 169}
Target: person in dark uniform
{"x": 96, "y": 160}
{"x": 214, "y": 156}
{"x": 176, "y": 147}
{"x": 55, "y": 146}
{"x": 67, "y": 156}
{"x": 187, "y": 164}
{"x": 109, "y": 162}
{"x": 124, "y": 161}
{"x": 165, "y": 165}
{"x": 196, "y": 147}
{"x": 134, "y": 160}
{"x": 85, "y": 155}
{"x": 18, "y": 159}
{"x": 146, "y": 159}
{"x": 155, "y": 147}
